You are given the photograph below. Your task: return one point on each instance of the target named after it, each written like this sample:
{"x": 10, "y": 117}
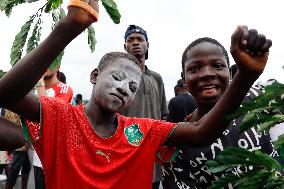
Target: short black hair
{"x": 233, "y": 70}
{"x": 112, "y": 56}
{"x": 201, "y": 40}
{"x": 79, "y": 96}
{"x": 62, "y": 77}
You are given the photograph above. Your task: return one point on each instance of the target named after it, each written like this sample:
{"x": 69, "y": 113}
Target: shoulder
{"x": 155, "y": 75}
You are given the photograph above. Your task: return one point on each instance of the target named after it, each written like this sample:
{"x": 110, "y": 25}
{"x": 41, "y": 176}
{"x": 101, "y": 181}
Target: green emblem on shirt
{"x": 133, "y": 134}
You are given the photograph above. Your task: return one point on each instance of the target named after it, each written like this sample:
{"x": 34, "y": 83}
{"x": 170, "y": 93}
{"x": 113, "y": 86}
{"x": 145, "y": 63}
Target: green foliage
{"x": 266, "y": 172}
{"x": 56, "y": 17}
{"x": 112, "y": 10}
{"x": 91, "y": 38}
{"x": 19, "y": 42}
{"x": 56, "y": 62}
{"x": 57, "y": 13}
{"x": 35, "y": 37}
{"x": 2, "y": 73}
{"x": 264, "y": 111}
{"x": 7, "y": 5}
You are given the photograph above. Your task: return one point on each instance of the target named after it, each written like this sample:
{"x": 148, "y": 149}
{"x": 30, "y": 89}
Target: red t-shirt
{"x": 60, "y": 91}
{"x": 75, "y": 156}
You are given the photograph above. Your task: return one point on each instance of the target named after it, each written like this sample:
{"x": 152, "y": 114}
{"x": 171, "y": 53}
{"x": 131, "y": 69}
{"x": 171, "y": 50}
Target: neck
{"x": 142, "y": 63}
{"x": 101, "y": 120}
{"x": 52, "y": 81}
{"x": 202, "y": 110}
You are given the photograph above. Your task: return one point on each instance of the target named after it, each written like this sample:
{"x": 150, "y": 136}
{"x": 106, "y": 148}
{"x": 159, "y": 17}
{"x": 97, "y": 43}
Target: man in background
{"x": 150, "y": 99}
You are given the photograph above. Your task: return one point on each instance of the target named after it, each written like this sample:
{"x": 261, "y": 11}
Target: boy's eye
{"x": 193, "y": 69}
{"x": 219, "y": 66}
{"x": 140, "y": 39}
{"x": 132, "y": 88}
{"x": 116, "y": 77}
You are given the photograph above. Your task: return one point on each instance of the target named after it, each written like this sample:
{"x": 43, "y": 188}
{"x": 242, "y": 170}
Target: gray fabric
{"x": 150, "y": 102}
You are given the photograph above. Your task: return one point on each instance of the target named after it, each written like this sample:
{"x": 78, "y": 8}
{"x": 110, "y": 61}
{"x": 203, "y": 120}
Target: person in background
{"x": 62, "y": 77}
{"x": 180, "y": 88}
{"x": 182, "y": 104}
{"x": 50, "y": 85}
{"x": 20, "y": 159}
{"x": 150, "y": 100}
{"x": 79, "y": 99}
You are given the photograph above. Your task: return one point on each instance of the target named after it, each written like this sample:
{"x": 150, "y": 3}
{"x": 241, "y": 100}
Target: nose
{"x": 122, "y": 88}
{"x": 207, "y": 73}
{"x": 135, "y": 42}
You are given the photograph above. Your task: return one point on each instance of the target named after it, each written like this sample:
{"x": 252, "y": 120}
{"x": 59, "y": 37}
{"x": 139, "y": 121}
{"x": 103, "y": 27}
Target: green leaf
{"x": 35, "y": 37}
{"x": 224, "y": 181}
{"x": 91, "y": 38}
{"x": 272, "y": 91}
{"x": 220, "y": 168}
{"x": 2, "y": 73}
{"x": 8, "y": 5}
{"x": 56, "y": 4}
{"x": 279, "y": 141}
{"x": 62, "y": 13}
{"x": 47, "y": 8}
{"x": 270, "y": 121}
{"x": 19, "y": 42}
{"x": 112, "y": 10}
{"x": 234, "y": 156}
{"x": 250, "y": 119}
{"x": 255, "y": 180}
{"x": 110, "y": 4}
{"x": 57, "y": 62}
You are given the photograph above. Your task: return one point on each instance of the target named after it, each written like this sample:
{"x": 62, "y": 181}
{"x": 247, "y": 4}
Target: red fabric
{"x": 74, "y": 156}
{"x": 61, "y": 91}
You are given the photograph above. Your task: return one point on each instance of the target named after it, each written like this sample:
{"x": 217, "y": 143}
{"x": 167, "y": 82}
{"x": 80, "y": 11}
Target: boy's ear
{"x": 94, "y": 75}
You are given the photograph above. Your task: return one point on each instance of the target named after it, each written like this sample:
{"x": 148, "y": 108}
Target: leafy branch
{"x": 265, "y": 111}
{"x": 57, "y": 13}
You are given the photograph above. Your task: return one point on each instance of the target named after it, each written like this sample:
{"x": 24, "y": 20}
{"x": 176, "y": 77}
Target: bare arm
{"x": 11, "y": 135}
{"x": 250, "y": 52}
{"x": 20, "y": 80}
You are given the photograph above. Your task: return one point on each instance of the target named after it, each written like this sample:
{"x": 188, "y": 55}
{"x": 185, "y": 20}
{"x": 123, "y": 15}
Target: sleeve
{"x": 160, "y": 133}
{"x": 46, "y": 136}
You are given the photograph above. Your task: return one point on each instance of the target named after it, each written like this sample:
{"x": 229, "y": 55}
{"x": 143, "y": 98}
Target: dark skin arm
{"x": 16, "y": 85}
{"x": 11, "y": 136}
{"x": 19, "y": 81}
{"x": 250, "y": 52}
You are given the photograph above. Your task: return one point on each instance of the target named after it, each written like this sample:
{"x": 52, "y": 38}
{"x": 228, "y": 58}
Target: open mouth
{"x": 209, "y": 90}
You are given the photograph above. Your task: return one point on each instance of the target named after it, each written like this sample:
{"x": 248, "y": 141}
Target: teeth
{"x": 209, "y": 90}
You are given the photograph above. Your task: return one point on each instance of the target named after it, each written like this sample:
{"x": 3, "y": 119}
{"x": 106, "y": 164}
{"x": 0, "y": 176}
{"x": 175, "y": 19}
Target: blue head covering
{"x": 136, "y": 29}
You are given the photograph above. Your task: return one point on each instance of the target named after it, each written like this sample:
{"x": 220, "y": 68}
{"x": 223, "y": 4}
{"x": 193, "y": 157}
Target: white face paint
{"x": 117, "y": 85}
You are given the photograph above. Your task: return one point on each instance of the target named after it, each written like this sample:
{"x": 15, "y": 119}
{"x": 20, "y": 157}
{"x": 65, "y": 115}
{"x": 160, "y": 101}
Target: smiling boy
{"x": 93, "y": 146}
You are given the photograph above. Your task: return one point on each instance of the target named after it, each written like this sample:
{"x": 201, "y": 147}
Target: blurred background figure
{"x": 62, "y": 77}
{"x": 78, "y": 99}
{"x": 182, "y": 104}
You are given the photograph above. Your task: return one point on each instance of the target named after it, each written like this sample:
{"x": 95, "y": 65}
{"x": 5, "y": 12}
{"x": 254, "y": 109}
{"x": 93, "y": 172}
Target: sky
{"x": 171, "y": 27}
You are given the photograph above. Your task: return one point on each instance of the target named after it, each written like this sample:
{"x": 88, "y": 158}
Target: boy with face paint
{"x": 117, "y": 151}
